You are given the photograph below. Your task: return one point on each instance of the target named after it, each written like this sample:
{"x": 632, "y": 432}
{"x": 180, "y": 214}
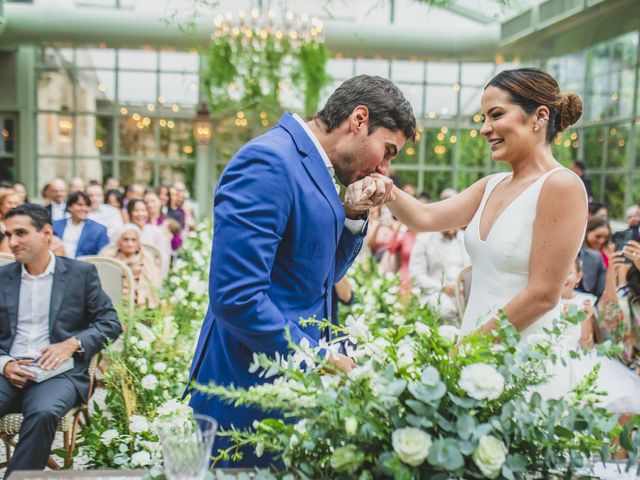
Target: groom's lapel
{"x": 315, "y": 167}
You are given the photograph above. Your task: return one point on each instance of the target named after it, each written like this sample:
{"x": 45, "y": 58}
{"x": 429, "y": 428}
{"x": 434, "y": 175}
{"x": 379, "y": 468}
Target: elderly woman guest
{"x": 126, "y": 246}
{"x": 151, "y": 234}
{"x": 80, "y": 235}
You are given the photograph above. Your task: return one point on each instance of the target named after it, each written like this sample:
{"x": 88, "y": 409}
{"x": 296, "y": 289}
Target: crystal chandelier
{"x": 259, "y": 25}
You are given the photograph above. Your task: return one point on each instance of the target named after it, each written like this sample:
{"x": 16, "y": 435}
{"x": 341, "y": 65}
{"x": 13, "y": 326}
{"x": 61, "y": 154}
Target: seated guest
{"x": 592, "y": 256}
{"x": 76, "y": 184}
{"x": 126, "y": 246}
{"x": 111, "y": 184}
{"x": 80, "y": 235}
{"x": 154, "y": 206}
{"x": 436, "y": 260}
{"x": 163, "y": 194}
{"x": 597, "y": 237}
{"x": 116, "y": 200}
{"x": 102, "y": 213}
{"x": 597, "y": 209}
{"x": 57, "y": 193}
{"x": 633, "y": 223}
{"x": 151, "y": 234}
{"x": 21, "y": 190}
{"x": 8, "y": 199}
{"x": 50, "y": 310}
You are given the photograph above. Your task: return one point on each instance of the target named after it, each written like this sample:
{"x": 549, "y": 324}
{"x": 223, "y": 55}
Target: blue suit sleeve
{"x": 103, "y": 240}
{"x": 252, "y": 208}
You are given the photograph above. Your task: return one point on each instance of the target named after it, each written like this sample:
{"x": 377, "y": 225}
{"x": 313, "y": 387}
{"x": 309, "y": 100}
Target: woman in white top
{"x": 151, "y": 234}
{"x": 524, "y": 227}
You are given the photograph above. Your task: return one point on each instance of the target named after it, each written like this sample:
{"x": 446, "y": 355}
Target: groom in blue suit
{"x": 282, "y": 236}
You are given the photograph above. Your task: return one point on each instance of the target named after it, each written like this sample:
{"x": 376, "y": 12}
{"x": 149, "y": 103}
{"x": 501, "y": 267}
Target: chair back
{"x": 113, "y": 275}
{"x": 6, "y": 259}
{"x": 463, "y": 288}
{"x": 155, "y": 252}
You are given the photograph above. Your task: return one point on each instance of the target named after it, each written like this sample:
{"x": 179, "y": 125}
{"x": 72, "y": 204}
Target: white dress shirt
{"x": 71, "y": 237}
{"x": 354, "y": 226}
{"x": 58, "y": 211}
{"x": 32, "y": 330}
{"x": 108, "y": 216}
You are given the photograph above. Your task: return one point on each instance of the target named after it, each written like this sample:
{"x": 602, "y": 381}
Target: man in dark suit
{"x": 51, "y": 308}
{"x": 57, "y": 209}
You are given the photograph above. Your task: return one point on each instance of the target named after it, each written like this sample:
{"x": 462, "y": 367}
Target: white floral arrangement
{"x": 147, "y": 370}
{"x": 422, "y": 403}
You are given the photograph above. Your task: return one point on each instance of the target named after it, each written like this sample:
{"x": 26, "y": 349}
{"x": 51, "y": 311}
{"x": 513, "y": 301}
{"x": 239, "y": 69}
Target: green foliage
{"x": 249, "y": 73}
{"x": 422, "y": 402}
{"x": 146, "y": 370}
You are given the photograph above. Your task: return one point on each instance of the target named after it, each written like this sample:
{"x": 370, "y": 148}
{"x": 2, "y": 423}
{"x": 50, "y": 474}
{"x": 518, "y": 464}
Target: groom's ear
{"x": 359, "y": 119}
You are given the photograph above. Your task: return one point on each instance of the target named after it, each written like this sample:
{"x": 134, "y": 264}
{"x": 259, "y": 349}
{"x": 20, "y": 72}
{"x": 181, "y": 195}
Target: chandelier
{"x": 252, "y": 27}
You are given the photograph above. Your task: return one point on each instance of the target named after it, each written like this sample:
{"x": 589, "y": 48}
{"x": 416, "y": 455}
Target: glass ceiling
{"x": 402, "y": 12}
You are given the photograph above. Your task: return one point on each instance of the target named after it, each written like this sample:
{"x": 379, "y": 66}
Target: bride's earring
{"x": 539, "y": 124}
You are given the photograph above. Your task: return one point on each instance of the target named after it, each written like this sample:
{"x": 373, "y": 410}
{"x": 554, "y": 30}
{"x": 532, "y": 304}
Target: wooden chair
{"x": 6, "y": 258}
{"x": 463, "y": 288}
{"x": 69, "y": 425}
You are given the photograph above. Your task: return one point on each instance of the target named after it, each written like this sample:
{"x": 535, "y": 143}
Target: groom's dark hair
{"x": 387, "y": 105}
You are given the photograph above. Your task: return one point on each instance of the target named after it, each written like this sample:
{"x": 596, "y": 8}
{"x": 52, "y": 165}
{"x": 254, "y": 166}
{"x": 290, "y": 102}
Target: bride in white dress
{"x": 524, "y": 227}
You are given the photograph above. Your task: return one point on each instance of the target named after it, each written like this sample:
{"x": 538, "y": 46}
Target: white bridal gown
{"x": 501, "y": 271}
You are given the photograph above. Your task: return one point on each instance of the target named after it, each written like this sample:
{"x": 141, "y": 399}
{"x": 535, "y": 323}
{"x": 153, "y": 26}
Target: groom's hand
{"x": 341, "y": 362}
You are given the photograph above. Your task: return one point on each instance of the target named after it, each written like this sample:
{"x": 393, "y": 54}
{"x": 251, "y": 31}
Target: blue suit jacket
{"x": 92, "y": 238}
{"x": 279, "y": 245}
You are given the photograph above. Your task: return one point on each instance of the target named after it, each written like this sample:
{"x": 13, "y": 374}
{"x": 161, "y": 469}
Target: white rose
{"x": 449, "y": 333}
{"x": 481, "y": 381}
{"x": 490, "y": 456}
{"x": 422, "y": 329}
{"x": 109, "y": 435}
{"x": 138, "y": 424}
{"x": 159, "y": 367}
{"x": 149, "y": 382}
{"x": 351, "y": 425}
{"x": 140, "y": 459}
{"x": 411, "y": 444}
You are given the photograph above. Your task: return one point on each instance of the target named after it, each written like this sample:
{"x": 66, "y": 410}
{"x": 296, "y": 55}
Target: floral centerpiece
{"x": 422, "y": 403}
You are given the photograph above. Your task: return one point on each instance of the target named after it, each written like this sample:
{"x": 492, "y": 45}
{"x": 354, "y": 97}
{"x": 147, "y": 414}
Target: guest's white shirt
{"x": 437, "y": 260}
{"x": 70, "y": 238}
{"x": 107, "y": 215}
{"x": 58, "y": 211}
{"x": 32, "y": 330}
{"x": 354, "y": 226}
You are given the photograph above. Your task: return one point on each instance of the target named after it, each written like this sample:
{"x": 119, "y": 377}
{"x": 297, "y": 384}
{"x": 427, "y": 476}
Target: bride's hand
{"x": 369, "y": 192}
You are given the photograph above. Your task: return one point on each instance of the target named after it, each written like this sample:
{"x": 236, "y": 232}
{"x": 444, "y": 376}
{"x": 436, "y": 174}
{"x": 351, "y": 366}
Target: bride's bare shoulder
{"x": 566, "y": 184}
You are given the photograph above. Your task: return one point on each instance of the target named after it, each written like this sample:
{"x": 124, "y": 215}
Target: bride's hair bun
{"x": 569, "y": 110}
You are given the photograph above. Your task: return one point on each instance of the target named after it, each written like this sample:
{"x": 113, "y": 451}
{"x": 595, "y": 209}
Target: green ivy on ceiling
{"x": 252, "y": 74}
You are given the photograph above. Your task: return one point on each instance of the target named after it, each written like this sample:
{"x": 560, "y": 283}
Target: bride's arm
{"x": 557, "y": 235}
{"x": 454, "y": 212}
